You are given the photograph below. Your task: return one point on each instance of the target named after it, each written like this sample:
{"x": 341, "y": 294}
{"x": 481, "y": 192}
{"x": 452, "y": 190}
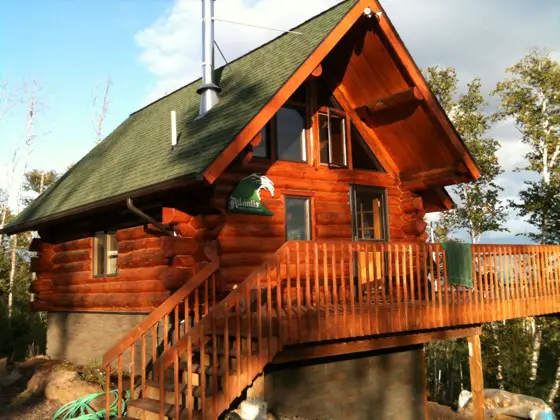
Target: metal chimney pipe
{"x": 209, "y": 90}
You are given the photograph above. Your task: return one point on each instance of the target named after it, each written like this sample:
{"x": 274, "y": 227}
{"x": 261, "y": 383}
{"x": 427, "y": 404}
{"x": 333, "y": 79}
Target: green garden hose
{"x": 81, "y": 409}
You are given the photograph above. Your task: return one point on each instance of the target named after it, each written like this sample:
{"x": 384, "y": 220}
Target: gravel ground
{"x": 34, "y": 408}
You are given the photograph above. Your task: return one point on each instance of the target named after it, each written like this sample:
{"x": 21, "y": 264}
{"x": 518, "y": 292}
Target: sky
{"x": 152, "y": 47}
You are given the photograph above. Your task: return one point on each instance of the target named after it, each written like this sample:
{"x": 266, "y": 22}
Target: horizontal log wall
{"x": 150, "y": 266}
{"x": 247, "y": 240}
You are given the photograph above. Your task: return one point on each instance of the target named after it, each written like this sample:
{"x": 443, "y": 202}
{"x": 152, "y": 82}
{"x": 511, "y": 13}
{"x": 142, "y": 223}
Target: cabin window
{"x": 332, "y": 138}
{"x": 263, "y": 149}
{"x": 369, "y": 214}
{"x": 298, "y": 218}
{"x": 362, "y": 156}
{"x": 291, "y": 134}
{"x": 105, "y": 253}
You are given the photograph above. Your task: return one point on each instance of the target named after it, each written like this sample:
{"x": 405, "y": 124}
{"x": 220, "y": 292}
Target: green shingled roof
{"x": 138, "y": 155}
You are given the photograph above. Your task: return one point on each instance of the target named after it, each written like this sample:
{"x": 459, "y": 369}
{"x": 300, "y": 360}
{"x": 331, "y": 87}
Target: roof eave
{"x": 195, "y": 179}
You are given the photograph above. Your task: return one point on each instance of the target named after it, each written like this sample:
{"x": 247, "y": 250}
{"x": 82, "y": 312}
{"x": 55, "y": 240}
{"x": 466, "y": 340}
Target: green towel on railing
{"x": 458, "y": 258}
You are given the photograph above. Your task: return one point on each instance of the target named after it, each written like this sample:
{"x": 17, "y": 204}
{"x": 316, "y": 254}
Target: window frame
{"x": 354, "y": 189}
{"x": 310, "y": 197}
{"x": 108, "y": 254}
{"x": 347, "y": 139}
{"x": 305, "y": 133}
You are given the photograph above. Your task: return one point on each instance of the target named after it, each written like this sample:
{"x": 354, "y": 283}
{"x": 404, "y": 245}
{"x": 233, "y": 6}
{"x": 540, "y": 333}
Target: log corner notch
{"x": 411, "y": 96}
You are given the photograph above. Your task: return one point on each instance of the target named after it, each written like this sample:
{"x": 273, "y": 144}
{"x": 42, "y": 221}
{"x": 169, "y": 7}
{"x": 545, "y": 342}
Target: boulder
{"x": 63, "y": 386}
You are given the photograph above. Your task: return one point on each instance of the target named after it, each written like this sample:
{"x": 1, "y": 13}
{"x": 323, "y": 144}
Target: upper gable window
{"x": 263, "y": 149}
{"x": 362, "y": 156}
{"x": 332, "y": 138}
{"x": 291, "y": 134}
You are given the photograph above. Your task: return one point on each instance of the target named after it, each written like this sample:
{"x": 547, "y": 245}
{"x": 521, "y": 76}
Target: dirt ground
{"x": 34, "y": 408}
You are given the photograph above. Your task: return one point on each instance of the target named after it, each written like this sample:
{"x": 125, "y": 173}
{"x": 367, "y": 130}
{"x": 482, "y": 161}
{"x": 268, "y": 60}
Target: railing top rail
{"x": 164, "y": 309}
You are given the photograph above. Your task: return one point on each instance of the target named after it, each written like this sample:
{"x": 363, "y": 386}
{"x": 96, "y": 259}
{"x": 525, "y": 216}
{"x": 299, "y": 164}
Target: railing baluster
{"x": 352, "y": 288}
{"x": 412, "y": 284}
{"x": 427, "y": 288}
{"x": 206, "y": 298}
{"x": 279, "y": 301}
{"x": 215, "y": 370}
{"x": 132, "y": 372}
{"x": 391, "y": 291}
{"x": 202, "y": 370}
{"x": 226, "y": 388}
{"x": 289, "y": 293}
{"x": 120, "y": 387}
{"x": 298, "y": 291}
{"x": 176, "y": 383}
{"x": 248, "y": 323}
{"x": 238, "y": 343}
{"x": 154, "y": 349}
{"x": 269, "y": 311}
{"x": 326, "y": 289}
{"x": 365, "y": 250}
{"x": 317, "y": 289}
{"x": 176, "y": 325}
{"x": 108, "y": 392}
{"x": 190, "y": 396}
{"x": 161, "y": 376}
{"x": 398, "y": 287}
{"x": 143, "y": 367}
{"x": 401, "y": 249}
{"x": 196, "y": 307}
{"x": 259, "y": 324}
{"x": 335, "y": 291}
{"x": 451, "y": 289}
{"x": 344, "y": 304}
{"x": 165, "y": 332}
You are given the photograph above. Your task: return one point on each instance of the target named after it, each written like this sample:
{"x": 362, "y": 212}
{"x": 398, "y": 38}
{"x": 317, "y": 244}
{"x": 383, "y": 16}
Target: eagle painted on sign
{"x": 246, "y": 197}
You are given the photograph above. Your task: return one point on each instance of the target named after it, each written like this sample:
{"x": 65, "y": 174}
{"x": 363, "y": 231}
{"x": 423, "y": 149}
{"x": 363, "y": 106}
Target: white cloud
{"x": 171, "y": 46}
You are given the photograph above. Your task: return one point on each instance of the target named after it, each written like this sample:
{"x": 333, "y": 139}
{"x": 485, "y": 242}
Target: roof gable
{"x": 137, "y": 154}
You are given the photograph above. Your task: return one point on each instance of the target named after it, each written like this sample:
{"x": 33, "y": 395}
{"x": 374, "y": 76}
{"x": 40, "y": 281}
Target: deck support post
{"x": 477, "y": 381}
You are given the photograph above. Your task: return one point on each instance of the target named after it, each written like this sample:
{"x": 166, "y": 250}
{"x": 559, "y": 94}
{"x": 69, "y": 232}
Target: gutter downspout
{"x": 130, "y": 205}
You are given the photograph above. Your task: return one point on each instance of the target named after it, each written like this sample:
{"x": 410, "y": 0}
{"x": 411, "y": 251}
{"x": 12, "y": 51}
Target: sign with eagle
{"x": 246, "y": 197}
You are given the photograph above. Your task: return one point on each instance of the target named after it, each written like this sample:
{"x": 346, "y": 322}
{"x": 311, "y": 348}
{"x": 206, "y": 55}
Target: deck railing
{"x": 312, "y": 291}
{"x": 327, "y": 290}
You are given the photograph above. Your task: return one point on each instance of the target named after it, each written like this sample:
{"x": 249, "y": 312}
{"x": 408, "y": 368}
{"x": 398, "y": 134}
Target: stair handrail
{"x": 165, "y": 308}
{"x": 168, "y": 357}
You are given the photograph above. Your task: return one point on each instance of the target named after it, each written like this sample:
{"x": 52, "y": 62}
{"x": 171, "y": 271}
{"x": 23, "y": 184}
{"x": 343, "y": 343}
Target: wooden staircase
{"x": 211, "y": 350}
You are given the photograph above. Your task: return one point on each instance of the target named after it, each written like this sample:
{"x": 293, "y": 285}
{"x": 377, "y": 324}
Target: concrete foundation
{"x": 85, "y": 337}
{"x": 381, "y": 385}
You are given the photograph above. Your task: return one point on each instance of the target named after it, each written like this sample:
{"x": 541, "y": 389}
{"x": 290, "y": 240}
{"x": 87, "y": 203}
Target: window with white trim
{"x": 105, "y": 253}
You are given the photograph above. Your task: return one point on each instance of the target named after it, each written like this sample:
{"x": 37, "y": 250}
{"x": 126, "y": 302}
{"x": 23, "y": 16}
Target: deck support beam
{"x": 477, "y": 381}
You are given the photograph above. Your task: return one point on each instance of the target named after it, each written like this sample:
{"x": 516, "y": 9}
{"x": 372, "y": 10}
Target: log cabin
{"x": 260, "y": 233}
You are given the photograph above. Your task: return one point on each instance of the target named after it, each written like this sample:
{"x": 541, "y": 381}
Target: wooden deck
{"x": 340, "y": 322}
{"x": 325, "y": 292}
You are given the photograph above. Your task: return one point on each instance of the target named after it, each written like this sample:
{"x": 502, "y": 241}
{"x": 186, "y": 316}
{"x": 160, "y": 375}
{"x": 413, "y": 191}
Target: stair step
{"x": 170, "y": 387}
{"x": 151, "y": 405}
